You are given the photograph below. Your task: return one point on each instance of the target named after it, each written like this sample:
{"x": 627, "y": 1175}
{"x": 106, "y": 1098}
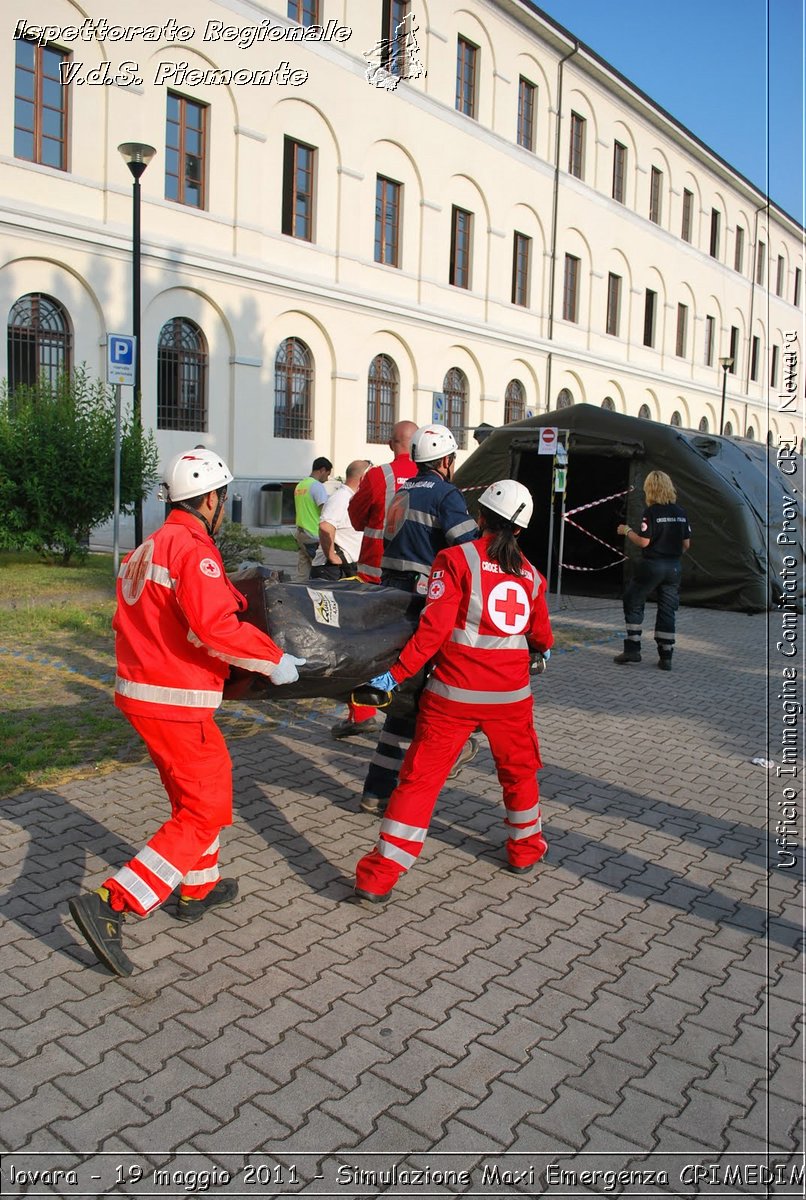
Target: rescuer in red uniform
{"x": 370, "y": 504}
{"x": 176, "y": 634}
{"x": 486, "y": 611}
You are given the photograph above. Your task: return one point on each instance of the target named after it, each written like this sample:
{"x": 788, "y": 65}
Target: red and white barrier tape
{"x": 593, "y": 503}
{"x": 582, "y": 529}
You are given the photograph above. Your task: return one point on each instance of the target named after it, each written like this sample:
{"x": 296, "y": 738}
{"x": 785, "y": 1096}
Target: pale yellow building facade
{"x": 482, "y": 219}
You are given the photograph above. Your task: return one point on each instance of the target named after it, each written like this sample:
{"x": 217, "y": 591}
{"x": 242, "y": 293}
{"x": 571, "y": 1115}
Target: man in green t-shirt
{"x": 309, "y": 496}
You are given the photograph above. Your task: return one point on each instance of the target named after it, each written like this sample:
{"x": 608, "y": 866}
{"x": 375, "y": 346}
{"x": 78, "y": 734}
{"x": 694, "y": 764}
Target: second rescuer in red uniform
{"x": 486, "y": 610}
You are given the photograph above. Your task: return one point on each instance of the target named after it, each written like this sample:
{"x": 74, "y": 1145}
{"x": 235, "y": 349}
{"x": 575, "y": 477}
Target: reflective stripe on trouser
{"x": 196, "y": 772}
{"x": 384, "y": 767}
{"x": 649, "y": 575}
{"x": 439, "y": 737}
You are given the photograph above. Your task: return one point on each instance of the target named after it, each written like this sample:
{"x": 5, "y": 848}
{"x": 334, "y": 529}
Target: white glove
{"x": 286, "y": 669}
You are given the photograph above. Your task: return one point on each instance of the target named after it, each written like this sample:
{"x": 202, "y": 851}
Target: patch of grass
{"x": 26, "y": 577}
{"x": 279, "y": 541}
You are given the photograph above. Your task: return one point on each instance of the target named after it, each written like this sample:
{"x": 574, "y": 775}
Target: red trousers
{"x": 443, "y": 727}
{"x": 196, "y": 772}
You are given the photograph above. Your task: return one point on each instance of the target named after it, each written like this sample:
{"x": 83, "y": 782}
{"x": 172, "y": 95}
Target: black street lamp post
{"x": 137, "y": 156}
{"x": 725, "y": 364}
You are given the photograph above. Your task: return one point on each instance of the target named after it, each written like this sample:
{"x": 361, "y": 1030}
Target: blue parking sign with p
{"x": 121, "y": 358}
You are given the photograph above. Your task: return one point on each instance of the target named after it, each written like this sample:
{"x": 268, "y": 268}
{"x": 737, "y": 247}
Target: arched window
{"x": 608, "y": 404}
{"x": 383, "y": 387}
{"x": 703, "y": 425}
{"x": 40, "y": 342}
{"x": 644, "y": 413}
{"x": 455, "y": 389}
{"x": 514, "y": 401}
{"x": 293, "y": 390}
{"x": 751, "y": 433}
{"x": 728, "y": 430}
{"x": 770, "y": 438}
{"x": 565, "y": 399}
{"x": 676, "y": 420}
{"x": 182, "y": 376}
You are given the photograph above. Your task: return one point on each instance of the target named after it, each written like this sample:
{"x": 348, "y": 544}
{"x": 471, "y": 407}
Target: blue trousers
{"x": 650, "y": 574}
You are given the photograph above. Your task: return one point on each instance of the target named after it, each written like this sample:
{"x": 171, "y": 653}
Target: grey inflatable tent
{"x": 746, "y": 514}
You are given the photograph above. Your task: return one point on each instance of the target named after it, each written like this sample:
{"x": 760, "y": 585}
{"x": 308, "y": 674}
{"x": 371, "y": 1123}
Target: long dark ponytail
{"x": 503, "y": 548}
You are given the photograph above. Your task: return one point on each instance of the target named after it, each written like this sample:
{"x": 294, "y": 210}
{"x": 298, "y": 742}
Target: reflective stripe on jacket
{"x": 479, "y": 624}
{"x": 176, "y": 628}
{"x": 427, "y": 514}
{"x": 368, "y": 509}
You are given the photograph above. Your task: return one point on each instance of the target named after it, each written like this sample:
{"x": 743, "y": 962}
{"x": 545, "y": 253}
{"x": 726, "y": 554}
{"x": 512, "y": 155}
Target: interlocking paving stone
{"x": 621, "y": 997}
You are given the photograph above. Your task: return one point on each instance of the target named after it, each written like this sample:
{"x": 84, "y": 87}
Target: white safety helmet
{"x": 432, "y": 442}
{"x": 510, "y": 500}
{"x": 194, "y": 473}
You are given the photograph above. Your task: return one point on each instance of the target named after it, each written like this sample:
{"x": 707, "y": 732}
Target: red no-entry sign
{"x": 548, "y": 440}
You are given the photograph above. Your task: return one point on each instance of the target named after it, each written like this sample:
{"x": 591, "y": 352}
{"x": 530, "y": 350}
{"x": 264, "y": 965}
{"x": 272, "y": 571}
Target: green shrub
{"x": 57, "y": 444}
{"x": 238, "y": 545}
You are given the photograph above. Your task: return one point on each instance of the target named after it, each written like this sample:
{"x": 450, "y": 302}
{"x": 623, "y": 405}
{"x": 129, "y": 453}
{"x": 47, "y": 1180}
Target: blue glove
{"x": 384, "y": 683}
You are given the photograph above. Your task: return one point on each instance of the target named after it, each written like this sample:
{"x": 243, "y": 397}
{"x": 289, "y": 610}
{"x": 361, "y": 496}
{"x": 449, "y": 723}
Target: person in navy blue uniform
{"x": 427, "y": 514}
{"x": 664, "y": 537}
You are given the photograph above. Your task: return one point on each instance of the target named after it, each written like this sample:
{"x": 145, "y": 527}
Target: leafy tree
{"x": 57, "y": 446}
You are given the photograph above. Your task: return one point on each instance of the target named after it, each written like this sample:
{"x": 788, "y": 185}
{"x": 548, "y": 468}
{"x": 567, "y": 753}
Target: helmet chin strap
{"x": 194, "y": 512}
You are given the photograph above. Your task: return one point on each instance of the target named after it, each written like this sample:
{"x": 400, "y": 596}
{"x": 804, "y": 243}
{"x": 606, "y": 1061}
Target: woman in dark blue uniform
{"x": 664, "y": 537}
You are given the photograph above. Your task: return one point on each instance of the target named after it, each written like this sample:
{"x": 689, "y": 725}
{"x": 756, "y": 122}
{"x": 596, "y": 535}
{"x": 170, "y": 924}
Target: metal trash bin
{"x": 270, "y": 504}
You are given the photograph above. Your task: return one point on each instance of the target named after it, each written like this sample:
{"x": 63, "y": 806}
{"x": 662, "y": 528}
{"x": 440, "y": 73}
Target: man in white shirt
{"x": 337, "y": 557}
{"x": 339, "y": 542}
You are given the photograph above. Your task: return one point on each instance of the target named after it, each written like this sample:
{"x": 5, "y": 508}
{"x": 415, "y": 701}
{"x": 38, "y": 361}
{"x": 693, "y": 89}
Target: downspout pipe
{"x": 554, "y": 208}
{"x": 765, "y": 207}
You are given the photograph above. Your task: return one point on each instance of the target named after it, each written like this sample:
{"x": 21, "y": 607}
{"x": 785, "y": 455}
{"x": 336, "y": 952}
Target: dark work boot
{"x": 664, "y": 659}
{"x": 630, "y": 654}
{"x": 100, "y": 926}
{"x": 224, "y": 892}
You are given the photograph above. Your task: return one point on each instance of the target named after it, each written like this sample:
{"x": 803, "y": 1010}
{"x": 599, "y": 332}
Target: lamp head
{"x": 726, "y": 363}
{"x": 137, "y": 156}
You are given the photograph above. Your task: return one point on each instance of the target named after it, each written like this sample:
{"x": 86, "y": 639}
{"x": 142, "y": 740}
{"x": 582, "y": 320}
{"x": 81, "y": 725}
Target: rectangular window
{"x": 40, "y": 104}
{"x": 387, "y": 221}
{"x": 774, "y": 368}
{"x": 714, "y": 246}
{"x": 688, "y": 198}
{"x": 796, "y": 290}
{"x": 619, "y": 168}
{"x": 521, "y": 253}
{"x": 738, "y": 254}
{"x": 185, "y": 151}
{"x": 755, "y": 349}
{"x": 779, "y": 276}
{"x": 576, "y": 149}
{"x": 526, "y": 114}
{"x": 466, "y": 54}
{"x": 709, "y": 341}
{"x": 649, "y": 317}
{"x": 394, "y": 40}
{"x": 298, "y": 189}
{"x": 613, "y": 317}
{"x": 655, "y": 195}
{"x": 461, "y": 247}
{"x": 571, "y": 289}
{"x": 304, "y": 12}
{"x": 760, "y": 257}
{"x": 734, "y": 350}
{"x": 682, "y": 329}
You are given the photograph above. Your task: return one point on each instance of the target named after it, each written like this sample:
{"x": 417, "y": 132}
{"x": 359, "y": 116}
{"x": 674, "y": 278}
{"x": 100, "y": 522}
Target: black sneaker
{"x": 348, "y": 728}
{"x": 224, "y": 892}
{"x": 100, "y": 926}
